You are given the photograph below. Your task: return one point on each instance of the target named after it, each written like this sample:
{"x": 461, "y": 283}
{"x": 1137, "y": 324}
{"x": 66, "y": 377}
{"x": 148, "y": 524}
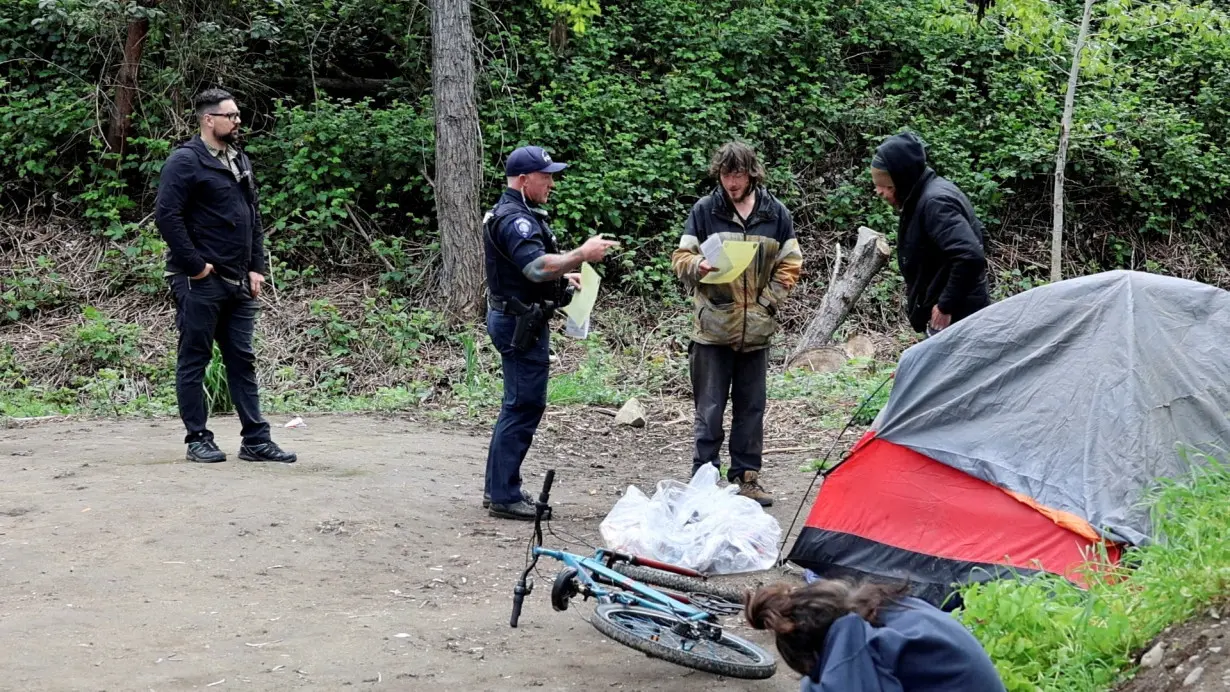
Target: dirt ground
{"x": 368, "y": 564}
{"x": 1193, "y": 656}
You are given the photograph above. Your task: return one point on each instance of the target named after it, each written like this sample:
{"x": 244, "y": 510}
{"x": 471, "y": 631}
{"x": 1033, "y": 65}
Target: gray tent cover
{"x": 1079, "y": 394}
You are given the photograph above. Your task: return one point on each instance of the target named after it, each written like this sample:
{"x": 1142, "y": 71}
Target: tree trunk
{"x": 458, "y": 168}
{"x": 126, "y": 86}
{"x": 1065, "y": 129}
{"x": 871, "y": 253}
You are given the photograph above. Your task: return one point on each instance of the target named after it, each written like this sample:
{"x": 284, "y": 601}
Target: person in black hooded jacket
{"x": 940, "y": 242}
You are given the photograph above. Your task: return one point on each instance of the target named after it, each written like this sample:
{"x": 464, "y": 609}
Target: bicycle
{"x": 680, "y": 626}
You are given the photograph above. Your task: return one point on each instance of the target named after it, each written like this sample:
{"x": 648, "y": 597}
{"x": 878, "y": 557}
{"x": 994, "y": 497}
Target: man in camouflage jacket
{"x": 733, "y": 323}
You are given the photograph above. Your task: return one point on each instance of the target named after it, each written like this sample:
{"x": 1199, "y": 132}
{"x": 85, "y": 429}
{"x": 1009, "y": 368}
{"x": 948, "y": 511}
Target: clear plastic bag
{"x": 697, "y": 525}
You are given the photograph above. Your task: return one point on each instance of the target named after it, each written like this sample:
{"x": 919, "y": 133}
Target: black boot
{"x": 266, "y": 451}
{"x": 205, "y": 452}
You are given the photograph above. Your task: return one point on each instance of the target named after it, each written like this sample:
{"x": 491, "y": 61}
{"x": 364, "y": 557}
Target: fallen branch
{"x": 869, "y": 256}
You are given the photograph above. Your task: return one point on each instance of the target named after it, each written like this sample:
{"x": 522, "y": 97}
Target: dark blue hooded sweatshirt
{"x": 919, "y": 648}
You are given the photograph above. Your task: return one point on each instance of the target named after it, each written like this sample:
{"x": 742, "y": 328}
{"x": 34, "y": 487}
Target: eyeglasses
{"x": 233, "y": 117}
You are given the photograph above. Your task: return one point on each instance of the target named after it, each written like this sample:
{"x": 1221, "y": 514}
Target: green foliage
{"x": 26, "y": 290}
{"x": 859, "y": 390}
{"x": 12, "y": 374}
{"x": 44, "y": 132}
{"x": 34, "y": 402}
{"x": 340, "y": 118}
{"x": 578, "y": 12}
{"x": 332, "y": 329}
{"x": 1046, "y": 634}
{"x": 217, "y": 389}
{"x": 391, "y": 329}
{"x": 596, "y": 380}
{"x": 336, "y": 159}
{"x": 1013, "y": 281}
{"x": 137, "y": 264}
{"x": 398, "y": 331}
{"x": 98, "y": 342}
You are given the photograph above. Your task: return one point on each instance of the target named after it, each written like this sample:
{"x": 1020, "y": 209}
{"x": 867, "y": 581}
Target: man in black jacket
{"x": 207, "y": 213}
{"x": 940, "y": 242}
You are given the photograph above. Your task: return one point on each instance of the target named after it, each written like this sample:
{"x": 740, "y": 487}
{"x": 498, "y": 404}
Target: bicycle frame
{"x": 640, "y": 594}
{"x": 646, "y": 597}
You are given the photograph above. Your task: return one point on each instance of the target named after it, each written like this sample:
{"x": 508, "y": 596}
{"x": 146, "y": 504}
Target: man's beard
{"x": 743, "y": 195}
{"x": 230, "y": 137}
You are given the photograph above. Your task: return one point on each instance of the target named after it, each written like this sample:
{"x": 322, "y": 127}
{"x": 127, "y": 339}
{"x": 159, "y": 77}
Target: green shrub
{"x": 1047, "y": 634}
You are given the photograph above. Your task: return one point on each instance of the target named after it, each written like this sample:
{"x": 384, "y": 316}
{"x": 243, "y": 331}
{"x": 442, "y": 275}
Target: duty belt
{"x": 512, "y": 307}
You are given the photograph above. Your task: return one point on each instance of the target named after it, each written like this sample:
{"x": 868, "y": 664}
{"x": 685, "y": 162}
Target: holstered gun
{"x": 532, "y": 319}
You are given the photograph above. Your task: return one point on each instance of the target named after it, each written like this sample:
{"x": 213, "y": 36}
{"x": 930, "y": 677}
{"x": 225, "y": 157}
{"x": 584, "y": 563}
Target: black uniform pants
{"x": 526, "y": 374}
{"x": 720, "y": 373}
{"x": 208, "y": 310}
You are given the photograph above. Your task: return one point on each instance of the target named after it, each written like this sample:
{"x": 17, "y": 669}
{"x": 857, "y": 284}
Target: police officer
{"x": 527, "y": 278}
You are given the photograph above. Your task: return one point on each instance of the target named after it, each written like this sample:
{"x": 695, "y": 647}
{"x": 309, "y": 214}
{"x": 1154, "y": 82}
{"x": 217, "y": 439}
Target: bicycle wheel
{"x": 678, "y": 582}
{"x": 657, "y": 634}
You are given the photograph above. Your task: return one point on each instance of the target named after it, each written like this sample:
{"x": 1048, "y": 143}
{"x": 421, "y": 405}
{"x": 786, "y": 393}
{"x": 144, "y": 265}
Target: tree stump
{"x": 815, "y": 349}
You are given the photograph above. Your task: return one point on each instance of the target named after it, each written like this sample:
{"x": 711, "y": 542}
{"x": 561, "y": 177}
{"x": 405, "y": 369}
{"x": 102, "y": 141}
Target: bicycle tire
{"x": 761, "y": 667}
{"x": 678, "y": 582}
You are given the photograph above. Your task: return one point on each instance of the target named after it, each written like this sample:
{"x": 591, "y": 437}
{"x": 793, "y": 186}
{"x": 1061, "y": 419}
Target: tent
{"x": 1024, "y": 438}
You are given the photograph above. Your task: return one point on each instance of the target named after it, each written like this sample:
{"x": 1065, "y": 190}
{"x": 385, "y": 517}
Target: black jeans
{"x": 718, "y": 373}
{"x": 207, "y": 310}
{"x": 525, "y": 399}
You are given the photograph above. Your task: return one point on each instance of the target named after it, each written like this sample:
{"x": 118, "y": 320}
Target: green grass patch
{"x": 597, "y": 380}
{"x": 835, "y": 397}
{"x": 36, "y": 402}
{"x": 1046, "y": 634}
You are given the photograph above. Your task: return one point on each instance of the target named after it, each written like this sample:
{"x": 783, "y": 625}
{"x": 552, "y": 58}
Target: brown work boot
{"x": 749, "y": 486}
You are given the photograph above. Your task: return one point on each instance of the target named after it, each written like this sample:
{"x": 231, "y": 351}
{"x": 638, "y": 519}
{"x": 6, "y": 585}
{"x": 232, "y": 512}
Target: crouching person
{"x": 848, "y": 637}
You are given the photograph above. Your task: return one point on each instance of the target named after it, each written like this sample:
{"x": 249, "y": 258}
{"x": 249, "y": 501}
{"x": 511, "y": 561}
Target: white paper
{"x": 712, "y": 249}
{"x": 576, "y": 331}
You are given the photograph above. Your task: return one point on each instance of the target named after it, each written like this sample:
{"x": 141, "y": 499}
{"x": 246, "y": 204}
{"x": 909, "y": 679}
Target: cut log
{"x": 860, "y": 346}
{"x": 815, "y": 349}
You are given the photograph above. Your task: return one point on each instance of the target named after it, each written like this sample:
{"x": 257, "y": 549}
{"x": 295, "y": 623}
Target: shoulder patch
{"x": 524, "y": 227}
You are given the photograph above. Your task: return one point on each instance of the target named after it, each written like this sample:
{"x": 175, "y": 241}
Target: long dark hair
{"x": 801, "y": 616}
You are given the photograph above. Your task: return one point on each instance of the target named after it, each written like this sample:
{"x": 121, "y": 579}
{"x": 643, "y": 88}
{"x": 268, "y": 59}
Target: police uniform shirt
{"x": 520, "y": 237}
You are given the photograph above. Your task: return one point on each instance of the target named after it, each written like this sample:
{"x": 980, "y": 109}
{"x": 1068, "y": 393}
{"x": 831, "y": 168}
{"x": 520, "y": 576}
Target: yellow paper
{"x": 736, "y": 255}
{"x": 582, "y": 303}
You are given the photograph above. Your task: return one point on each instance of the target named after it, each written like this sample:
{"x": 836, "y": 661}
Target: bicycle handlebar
{"x": 546, "y": 487}
{"x": 522, "y": 588}
{"x": 518, "y": 599}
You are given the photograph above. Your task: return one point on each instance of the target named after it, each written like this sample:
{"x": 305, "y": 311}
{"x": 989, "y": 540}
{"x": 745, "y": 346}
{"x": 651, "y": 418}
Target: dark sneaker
{"x": 749, "y": 486}
{"x": 266, "y": 451}
{"x": 525, "y": 497}
{"x": 205, "y": 452}
{"x": 517, "y": 510}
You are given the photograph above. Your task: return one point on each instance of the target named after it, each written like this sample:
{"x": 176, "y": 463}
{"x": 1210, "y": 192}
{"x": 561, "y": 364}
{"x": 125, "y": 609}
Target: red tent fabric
{"x": 890, "y": 512}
